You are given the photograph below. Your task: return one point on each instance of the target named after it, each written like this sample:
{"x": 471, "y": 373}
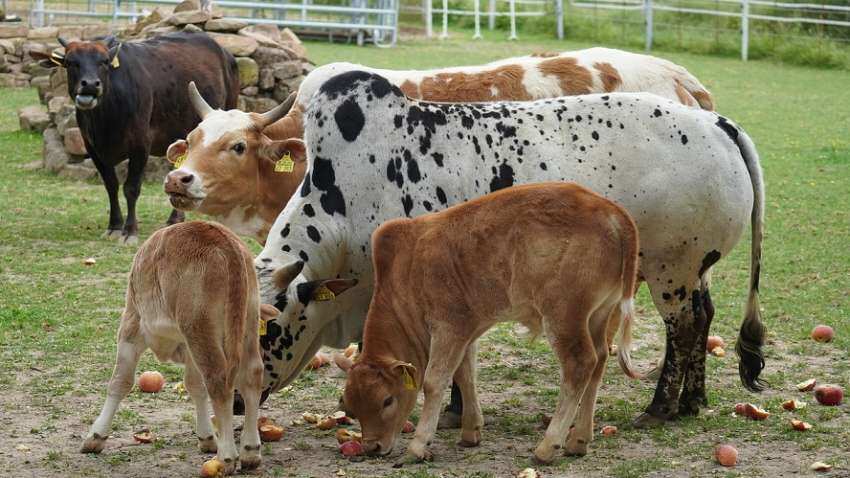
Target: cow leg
{"x": 465, "y": 378}
{"x": 249, "y": 380}
{"x": 203, "y": 425}
{"x": 176, "y": 216}
{"x": 453, "y": 413}
{"x": 110, "y": 182}
{"x": 437, "y": 377}
{"x": 130, "y": 348}
{"x": 132, "y": 190}
{"x": 693, "y": 393}
{"x": 605, "y": 317}
{"x": 673, "y": 294}
{"x": 571, "y": 341}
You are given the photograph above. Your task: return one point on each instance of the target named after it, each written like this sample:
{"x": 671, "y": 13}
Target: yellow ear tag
{"x": 180, "y": 160}
{"x": 323, "y": 294}
{"x": 115, "y": 63}
{"x": 409, "y": 383}
{"x": 262, "y": 327}
{"x": 284, "y": 164}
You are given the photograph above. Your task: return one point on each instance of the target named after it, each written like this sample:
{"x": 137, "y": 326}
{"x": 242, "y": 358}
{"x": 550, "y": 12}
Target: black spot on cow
{"x": 575, "y": 137}
{"x": 305, "y": 185}
{"x": 349, "y": 119}
{"x": 309, "y": 211}
{"x": 381, "y": 87}
{"x": 412, "y": 169}
{"x": 504, "y": 178}
{"x": 684, "y": 139}
{"x": 595, "y": 135}
{"x": 477, "y": 146}
{"x": 727, "y": 128}
{"x": 280, "y": 300}
{"x": 286, "y": 248}
{"x": 397, "y": 121}
{"x": 505, "y": 130}
{"x": 656, "y": 113}
{"x": 313, "y": 233}
{"x": 666, "y": 296}
{"x": 438, "y": 158}
{"x": 467, "y": 122}
{"x": 344, "y": 83}
{"x": 709, "y": 260}
{"x": 285, "y": 231}
{"x": 441, "y": 195}
{"x": 288, "y": 356}
{"x": 424, "y": 143}
{"x": 303, "y": 255}
{"x": 325, "y": 180}
{"x": 407, "y": 202}
{"x": 427, "y": 205}
{"x": 681, "y": 293}
{"x": 273, "y": 331}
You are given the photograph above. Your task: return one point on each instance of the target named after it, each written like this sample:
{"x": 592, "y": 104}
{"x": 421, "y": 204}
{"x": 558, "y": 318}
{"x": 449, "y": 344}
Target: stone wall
{"x": 272, "y": 63}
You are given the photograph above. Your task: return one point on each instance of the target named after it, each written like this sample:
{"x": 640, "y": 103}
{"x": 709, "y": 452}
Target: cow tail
{"x": 630, "y": 249}
{"x": 752, "y": 335}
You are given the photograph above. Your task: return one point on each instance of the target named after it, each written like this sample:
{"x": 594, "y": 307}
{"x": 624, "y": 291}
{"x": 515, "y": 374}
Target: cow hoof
{"x": 93, "y": 444}
{"x": 207, "y": 445}
{"x": 577, "y": 448}
{"x": 449, "y": 420}
{"x": 130, "y": 240}
{"x": 543, "y": 456}
{"x": 470, "y": 439}
{"x": 229, "y": 466}
{"x": 646, "y": 420}
{"x": 112, "y": 234}
{"x": 250, "y": 460}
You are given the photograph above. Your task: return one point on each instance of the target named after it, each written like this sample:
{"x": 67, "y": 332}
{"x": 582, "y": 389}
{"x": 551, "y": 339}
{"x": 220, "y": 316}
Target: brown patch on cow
{"x": 502, "y": 83}
{"x": 704, "y": 99}
{"x": 684, "y": 96}
{"x": 611, "y": 79}
{"x": 574, "y": 79}
{"x": 544, "y": 54}
{"x": 410, "y": 89}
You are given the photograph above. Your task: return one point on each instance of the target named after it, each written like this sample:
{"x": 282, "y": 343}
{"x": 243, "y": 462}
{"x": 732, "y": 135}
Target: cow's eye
{"x": 238, "y": 148}
{"x": 388, "y": 401}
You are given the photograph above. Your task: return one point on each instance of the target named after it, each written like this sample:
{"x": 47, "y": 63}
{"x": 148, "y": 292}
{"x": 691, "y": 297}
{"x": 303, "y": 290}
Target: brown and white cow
{"x": 247, "y": 196}
{"x": 192, "y": 298}
{"x": 554, "y": 257}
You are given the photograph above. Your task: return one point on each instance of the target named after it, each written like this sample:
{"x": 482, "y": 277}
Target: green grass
{"x": 58, "y": 318}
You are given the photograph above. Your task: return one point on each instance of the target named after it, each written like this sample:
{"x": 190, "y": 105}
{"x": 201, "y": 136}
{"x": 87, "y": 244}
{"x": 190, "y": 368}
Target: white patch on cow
{"x": 235, "y": 221}
{"x": 218, "y": 123}
{"x": 494, "y": 92}
{"x": 539, "y": 85}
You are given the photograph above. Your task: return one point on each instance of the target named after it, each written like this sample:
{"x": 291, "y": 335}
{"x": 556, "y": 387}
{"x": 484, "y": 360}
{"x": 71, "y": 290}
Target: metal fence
{"x": 375, "y": 19}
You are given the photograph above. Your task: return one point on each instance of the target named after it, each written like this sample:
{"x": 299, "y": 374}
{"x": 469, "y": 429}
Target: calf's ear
{"x": 277, "y": 151}
{"x": 406, "y": 372}
{"x": 268, "y": 311}
{"x": 176, "y": 151}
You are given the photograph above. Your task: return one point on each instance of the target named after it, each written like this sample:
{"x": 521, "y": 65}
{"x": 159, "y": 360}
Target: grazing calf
{"x": 555, "y": 257}
{"x": 192, "y": 298}
{"x": 690, "y": 179}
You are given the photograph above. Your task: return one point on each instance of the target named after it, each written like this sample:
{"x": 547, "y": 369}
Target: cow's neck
{"x": 274, "y": 189}
{"x": 393, "y": 333}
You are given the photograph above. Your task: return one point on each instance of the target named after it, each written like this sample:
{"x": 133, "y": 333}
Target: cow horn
{"x": 62, "y": 42}
{"x": 201, "y": 106}
{"x": 277, "y": 112}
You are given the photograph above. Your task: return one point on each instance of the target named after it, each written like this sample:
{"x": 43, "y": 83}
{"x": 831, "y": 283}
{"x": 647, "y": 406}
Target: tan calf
{"x": 192, "y": 298}
{"x": 554, "y": 257}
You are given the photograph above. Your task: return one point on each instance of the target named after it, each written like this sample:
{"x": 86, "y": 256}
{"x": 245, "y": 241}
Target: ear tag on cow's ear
{"x": 407, "y": 380}
{"x": 180, "y": 160}
{"x": 284, "y": 164}
{"x": 262, "y": 328}
{"x": 115, "y": 63}
{"x": 323, "y": 294}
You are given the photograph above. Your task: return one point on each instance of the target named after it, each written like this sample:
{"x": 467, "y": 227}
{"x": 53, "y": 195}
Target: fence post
{"x": 477, "y": 35}
{"x": 39, "y": 19}
{"x": 491, "y": 10}
{"x": 745, "y": 29}
{"x": 647, "y": 12}
{"x": 513, "y": 20}
{"x": 429, "y": 20}
{"x": 559, "y": 12}
{"x": 445, "y": 33}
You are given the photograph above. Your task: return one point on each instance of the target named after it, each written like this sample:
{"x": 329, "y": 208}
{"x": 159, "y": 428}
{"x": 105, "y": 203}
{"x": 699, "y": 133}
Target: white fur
{"x": 218, "y": 123}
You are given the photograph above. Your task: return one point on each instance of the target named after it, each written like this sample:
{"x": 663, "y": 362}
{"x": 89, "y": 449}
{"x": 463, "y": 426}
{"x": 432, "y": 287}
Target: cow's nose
{"x": 177, "y": 181}
{"x": 97, "y": 83}
{"x": 187, "y": 179}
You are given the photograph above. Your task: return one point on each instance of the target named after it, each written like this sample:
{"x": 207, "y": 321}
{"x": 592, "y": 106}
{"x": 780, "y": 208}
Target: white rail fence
{"x": 377, "y": 19}
{"x": 643, "y": 12}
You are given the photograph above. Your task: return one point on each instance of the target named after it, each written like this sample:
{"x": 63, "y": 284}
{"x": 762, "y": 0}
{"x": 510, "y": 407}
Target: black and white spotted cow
{"x": 690, "y": 178}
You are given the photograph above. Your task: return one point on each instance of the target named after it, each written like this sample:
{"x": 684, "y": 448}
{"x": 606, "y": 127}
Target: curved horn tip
{"x": 278, "y": 111}
{"x": 198, "y": 102}
{"x": 62, "y": 42}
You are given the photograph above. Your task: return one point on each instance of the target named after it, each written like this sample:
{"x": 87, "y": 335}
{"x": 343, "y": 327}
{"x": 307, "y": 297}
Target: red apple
{"x": 609, "y": 430}
{"x": 807, "y": 386}
{"x": 713, "y": 342}
{"x": 271, "y": 432}
{"x": 741, "y": 409}
{"x": 829, "y": 394}
{"x": 408, "y": 427}
{"x": 822, "y": 333}
{"x": 755, "y": 412}
{"x": 212, "y": 468}
{"x": 351, "y": 448}
{"x": 151, "y": 382}
{"x": 726, "y": 455}
{"x": 792, "y": 405}
{"x": 800, "y": 425}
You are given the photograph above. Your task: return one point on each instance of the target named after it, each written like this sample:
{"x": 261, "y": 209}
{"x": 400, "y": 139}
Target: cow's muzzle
{"x": 88, "y": 93}
{"x": 182, "y": 189}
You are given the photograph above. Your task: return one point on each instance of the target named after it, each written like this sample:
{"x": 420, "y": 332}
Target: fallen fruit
{"x": 718, "y": 352}
{"x": 800, "y": 425}
{"x": 90, "y": 261}
{"x": 143, "y": 436}
{"x": 318, "y": 361}
{"x": 271, "y": 432}
{"x": 820, "y": 466}
{"x": 823, "y": 333}
{"x": 829, "y": 394}
{"x": 408, "y": 427}
{"x": 755, "y": 412}
{"x": 151, "y": 382}
{"x": 350, "y": 350}
{"x": 741, "y": 409}
{"x": 527, "y": 473}
{"x": 343, "y": 435}
{"x": 341, "y": 418}
{"x": 264, "y": 421}
{"x": 212, "y": 468}
{"x": 351, "y": 448}
{"x": 726, "y": 455}
{"x": 713, "y": 342}
{"x": 609, "y": 430}
{"x": 807, "y": 385}
{"x": 326, "y": 423}
{"x": 792, "y": 405}
{"x": 310, "y": 417}
{"x": 342, "y": 361}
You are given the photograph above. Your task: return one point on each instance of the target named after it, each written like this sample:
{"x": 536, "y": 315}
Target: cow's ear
{"x": 406, "y": 373}
{"x": 176, "y": 151}
{"x": 284, "y": 154}
{"x": 323, "y": 290}
{"x": 268, "y": 311}
{"x": 49, "y": 60}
